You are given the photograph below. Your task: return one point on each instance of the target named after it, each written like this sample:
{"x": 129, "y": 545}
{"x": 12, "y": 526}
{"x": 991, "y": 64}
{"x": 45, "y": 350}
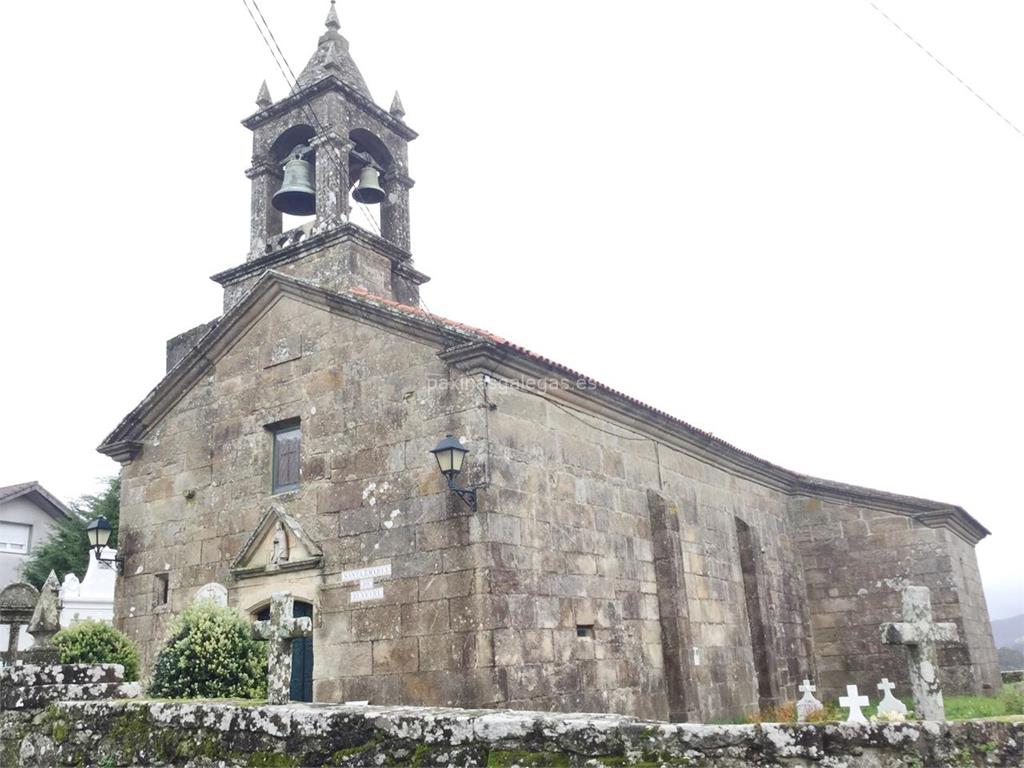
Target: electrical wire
{"x": 949, "y": 71}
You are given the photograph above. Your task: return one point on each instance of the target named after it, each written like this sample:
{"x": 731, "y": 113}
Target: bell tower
{"x": 319, "y": 151}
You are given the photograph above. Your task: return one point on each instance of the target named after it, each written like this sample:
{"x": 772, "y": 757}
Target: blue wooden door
{"x": 302, "y": 655}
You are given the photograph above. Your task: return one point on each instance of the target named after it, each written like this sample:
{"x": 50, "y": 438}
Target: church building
{"x": 599, "y": 555}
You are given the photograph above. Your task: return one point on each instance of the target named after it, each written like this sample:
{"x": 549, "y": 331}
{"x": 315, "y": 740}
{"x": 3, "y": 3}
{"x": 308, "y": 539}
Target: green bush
{"x": 95, "y": 642}
{"x": 211, "y": 654}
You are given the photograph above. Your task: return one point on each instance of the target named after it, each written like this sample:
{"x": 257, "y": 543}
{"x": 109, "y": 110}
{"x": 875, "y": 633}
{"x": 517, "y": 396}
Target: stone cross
{"x": 280, "y": 631}
{"x": 17, "y": 603}
{"x": 808, "y": 704}
{"x": 919, "y": 634}
{"x": 889, "y": 703}
{"x": 853, "y": 702}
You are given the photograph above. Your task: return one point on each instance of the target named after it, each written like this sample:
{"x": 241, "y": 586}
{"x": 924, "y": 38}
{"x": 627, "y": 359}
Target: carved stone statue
{"x": 45, "y": 622}
{"x": 279, "y": 545}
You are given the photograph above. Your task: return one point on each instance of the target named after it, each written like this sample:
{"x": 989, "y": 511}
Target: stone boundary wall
{"x": 123, "y": 733}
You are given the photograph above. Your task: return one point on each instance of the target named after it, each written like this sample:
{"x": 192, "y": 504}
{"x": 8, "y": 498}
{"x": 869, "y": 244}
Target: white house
{"x": 28, "y": 516}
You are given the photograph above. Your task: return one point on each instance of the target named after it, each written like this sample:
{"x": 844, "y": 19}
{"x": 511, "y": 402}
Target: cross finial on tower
{"x": 332, "y": 18}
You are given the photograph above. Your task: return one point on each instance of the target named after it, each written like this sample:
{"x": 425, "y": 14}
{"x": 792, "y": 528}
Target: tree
{"x": 67, "y": 550}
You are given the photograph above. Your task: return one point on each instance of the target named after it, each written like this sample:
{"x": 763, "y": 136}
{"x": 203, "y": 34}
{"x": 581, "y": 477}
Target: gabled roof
{"x": 474, "y": 350}
{"x": 43, "y": 499}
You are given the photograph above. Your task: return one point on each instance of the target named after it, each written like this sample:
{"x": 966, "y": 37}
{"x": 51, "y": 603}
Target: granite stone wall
{"x": 569, "y": 520}
{"x": 201, "y": 734}
{"x": 856, "y": 558}
{"x": 612, "y": 565}
{"x": 370, "y": 495}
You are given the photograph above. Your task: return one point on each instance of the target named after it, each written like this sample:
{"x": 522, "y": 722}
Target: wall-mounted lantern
{"x": 450, "y": 454}
{"x": 99, "y": 531}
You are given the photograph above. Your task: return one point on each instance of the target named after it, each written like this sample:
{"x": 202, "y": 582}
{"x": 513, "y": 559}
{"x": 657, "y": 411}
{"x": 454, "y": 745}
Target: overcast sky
{"x": 782, "y": 222}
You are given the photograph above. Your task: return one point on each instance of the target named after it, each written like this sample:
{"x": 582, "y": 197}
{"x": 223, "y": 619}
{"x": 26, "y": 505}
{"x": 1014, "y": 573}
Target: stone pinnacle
{"x": 263, "y": 99}
{"x": 397, "y": 110}
{"x": 332, "y": 18}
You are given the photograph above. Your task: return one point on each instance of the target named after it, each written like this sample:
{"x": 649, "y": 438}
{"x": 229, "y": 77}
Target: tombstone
{"x": 889, "y": 703}
{"x": 45, "y": 623}
{"x": 17, "y": 604}
{"x": 218, "y": 593}
{"x": 853, "y": 702}
{"x": 280, "y": 631}
{"x": 919, "y": 634}
{"x": 807, "y": 705}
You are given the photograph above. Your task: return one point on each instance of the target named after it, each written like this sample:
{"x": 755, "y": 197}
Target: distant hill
{"x": 1009, "y": 633}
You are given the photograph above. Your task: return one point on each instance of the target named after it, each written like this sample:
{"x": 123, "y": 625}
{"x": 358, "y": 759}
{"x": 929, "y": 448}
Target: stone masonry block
{"x": 425, "y": 618}
{"x": 394, "y": 656}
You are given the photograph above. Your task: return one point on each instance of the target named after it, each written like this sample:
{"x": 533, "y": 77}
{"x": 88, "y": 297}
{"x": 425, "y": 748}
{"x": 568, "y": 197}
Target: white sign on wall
{"x": 365, "y": 576}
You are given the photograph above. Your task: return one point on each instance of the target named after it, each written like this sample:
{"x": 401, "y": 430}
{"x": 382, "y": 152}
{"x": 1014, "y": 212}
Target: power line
{"x": 949, "y": 71}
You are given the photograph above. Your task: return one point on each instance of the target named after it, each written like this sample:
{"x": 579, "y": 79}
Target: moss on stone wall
{"x": 197, "y": 734}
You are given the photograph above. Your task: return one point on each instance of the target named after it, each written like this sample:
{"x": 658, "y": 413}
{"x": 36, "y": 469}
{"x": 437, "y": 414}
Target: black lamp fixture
{"x": 450, "y": 454}
{"x": 99, "y": 531}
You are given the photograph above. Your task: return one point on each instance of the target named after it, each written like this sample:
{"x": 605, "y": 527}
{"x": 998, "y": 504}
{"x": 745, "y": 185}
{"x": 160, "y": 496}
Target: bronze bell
{"x": 296, "y": 195}
{"x": 368, "y": 190}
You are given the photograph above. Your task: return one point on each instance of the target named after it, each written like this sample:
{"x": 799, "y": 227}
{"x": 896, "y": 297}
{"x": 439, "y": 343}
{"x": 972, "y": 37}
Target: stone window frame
{"x": 278, "y": 428}
{"x": 7, "y": 546}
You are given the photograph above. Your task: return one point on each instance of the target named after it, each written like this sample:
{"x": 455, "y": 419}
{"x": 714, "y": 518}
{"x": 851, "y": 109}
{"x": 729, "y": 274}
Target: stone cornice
{"x": 498, "y": 360}
{"x": 473, "y": 352}
{"x": 398, "y": 178}
{"x": 122, "y": 451}
{"x": 399, "y": 257}
{"x": 330, "y": 83}
{"x": 263, "y": 168}
{"x": 957, "y": 521}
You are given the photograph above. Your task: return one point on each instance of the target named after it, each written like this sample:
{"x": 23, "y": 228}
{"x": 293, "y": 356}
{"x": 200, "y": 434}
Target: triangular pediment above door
{"x": 277, "y": 544}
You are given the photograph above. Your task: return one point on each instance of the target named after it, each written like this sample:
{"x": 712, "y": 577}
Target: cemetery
{"x": 59, "y": 714}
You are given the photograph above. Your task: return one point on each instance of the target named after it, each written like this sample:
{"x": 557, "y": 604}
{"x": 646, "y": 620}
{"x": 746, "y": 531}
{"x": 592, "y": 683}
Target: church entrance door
{"x": 302, "y": 655}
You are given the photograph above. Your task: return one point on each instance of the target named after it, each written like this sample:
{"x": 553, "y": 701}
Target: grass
{"x": 1010, "y": 701}
{"x": 1009, "y": 704}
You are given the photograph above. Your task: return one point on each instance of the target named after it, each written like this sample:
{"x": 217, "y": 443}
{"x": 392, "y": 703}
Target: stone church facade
{"x": 619, "y": 559}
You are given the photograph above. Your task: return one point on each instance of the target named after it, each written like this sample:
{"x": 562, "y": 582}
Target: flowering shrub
{"x": 95, "y": 642}
{"x": 211, "y": 654}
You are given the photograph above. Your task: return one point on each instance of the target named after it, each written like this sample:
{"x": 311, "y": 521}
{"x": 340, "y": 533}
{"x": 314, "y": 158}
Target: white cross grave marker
{"x": 919, "y": 634}
{"x": 808, "y": 704}
{"x": 279, "y": 632}
{"x": 853, "y": 702}
{"x": 889, "y": 703}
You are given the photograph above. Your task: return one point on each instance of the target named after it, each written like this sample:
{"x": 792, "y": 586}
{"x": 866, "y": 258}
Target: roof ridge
{"x": 793, "y": 482}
